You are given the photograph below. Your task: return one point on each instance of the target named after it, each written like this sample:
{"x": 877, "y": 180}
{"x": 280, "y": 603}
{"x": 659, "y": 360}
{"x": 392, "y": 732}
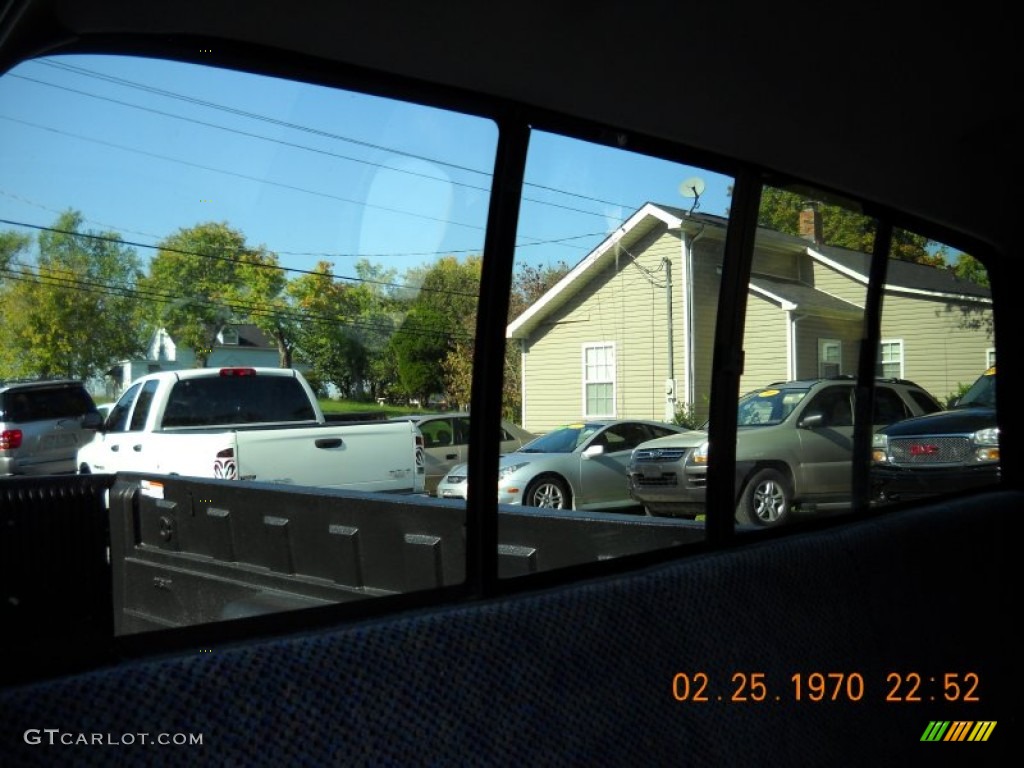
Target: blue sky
{"x": 145, "y": 147}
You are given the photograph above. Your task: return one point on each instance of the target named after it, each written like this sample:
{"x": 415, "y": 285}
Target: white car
{"x": 577, "y": 466}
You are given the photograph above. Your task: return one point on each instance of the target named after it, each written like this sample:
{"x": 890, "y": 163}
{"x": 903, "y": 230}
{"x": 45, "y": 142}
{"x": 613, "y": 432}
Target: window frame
{"x": 587, "y": 367}
{"x": 824, "y": 345}
{"x": 884, "y": 344}
{"x": 514, "y": 123}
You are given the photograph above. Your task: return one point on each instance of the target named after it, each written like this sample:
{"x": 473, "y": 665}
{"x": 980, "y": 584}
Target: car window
{"x": 346, "y": 230}
{"x": 890, "y": 407}
{"x": 224, "y": 218}
{"x": 117, "y": 421}
{"x": 982, "y": 392}
{"x": 460, "y": 431}
{"x": 925, "y": 401}
{"x": 833, "y": 405}
{"x": 142, "y": 405}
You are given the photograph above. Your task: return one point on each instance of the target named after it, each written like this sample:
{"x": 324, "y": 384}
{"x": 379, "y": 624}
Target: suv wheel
{"x": 767, "y": 500}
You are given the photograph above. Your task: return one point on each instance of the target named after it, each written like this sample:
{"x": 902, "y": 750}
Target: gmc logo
{"x": 923, "y": 450}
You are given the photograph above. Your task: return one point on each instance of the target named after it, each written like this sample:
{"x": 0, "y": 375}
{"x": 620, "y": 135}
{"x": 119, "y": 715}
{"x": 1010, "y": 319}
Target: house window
{"x": 830, "y": 358}
{"x": 598, "y": 380}
{"x": 890, "y": 359}
{"x": 229, "y": 336}
{"x": 990, "y": 357}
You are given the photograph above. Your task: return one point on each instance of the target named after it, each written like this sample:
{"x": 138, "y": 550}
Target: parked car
{"x": 577, "y": 466}
{"x": 793, "y": 448}
{"x": 43, "y": 424}
{"x": 446, "y": 442}
{"x": 941, "y": 452}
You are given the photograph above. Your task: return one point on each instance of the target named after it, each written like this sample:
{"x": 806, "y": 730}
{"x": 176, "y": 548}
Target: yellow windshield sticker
{"x": 768, "y": 393}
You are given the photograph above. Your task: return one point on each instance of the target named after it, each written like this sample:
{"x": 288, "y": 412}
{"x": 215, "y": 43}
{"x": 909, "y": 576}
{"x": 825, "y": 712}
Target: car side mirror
{"x": 812, "y": 421}
{"x": 593, "y": 450}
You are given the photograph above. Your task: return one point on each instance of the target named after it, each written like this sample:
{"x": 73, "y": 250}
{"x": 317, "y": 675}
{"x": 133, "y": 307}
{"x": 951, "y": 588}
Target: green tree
{"x": 434, "y": 323}
{"x": 969, "y": 268}
{"x": 206, "y": 276}
{"x": 327, "y": 337}
{"x": 71, "y": 312}
{"x": 841, "y": 227}
{"x": 12, "y": 246}
{"x": 529, "y": 283}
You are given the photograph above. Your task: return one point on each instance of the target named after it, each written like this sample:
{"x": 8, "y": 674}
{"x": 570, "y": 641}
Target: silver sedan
{"x": 577, "y": 466}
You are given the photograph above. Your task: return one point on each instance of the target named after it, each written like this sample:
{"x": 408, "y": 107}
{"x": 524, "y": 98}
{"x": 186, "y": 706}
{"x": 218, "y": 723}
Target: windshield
{"x": 562, "y": 440}
{"x": 982, "y": 392}
{"x": 767, "y": 406}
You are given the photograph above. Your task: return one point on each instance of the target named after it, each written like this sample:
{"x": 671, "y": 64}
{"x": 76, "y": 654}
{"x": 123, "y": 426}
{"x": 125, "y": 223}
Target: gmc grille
{"x": 930, "y": 450}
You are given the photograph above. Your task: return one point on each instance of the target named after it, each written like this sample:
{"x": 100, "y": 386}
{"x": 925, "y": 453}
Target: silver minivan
{"x": 43, "y": 424}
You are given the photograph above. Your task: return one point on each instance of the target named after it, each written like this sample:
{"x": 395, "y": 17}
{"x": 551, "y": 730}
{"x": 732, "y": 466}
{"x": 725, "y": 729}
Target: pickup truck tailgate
{"x": 315, "y": 455}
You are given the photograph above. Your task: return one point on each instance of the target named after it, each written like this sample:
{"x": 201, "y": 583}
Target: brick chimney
{"x": 810, "y": 222}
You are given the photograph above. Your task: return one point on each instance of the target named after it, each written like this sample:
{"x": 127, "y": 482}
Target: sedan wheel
{"x": 549, "y": 492}
{"x": 767, "y": 500}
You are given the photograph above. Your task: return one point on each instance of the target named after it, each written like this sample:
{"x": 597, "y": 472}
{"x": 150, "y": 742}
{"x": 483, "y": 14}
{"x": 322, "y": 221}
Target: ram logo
{"x": 225, "y": 469}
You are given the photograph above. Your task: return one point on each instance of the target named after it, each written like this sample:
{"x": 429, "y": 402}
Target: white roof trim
{"x": 785, "y": 304}
{"x": 649, "y": 209}
{"x": 860, "y": 277}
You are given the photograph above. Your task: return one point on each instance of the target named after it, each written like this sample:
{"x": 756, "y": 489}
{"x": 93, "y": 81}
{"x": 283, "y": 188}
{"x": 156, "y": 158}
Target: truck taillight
{"x": 10, "y": 438}
{"x": 237, "y": 371}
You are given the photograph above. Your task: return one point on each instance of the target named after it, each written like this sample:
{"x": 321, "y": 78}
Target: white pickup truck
{"x": 250, "y": 424}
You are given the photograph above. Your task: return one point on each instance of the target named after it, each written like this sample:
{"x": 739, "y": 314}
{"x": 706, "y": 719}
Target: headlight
{"x": 700, "y": 454}
{"x": 880, "y": 448}
{"x": 504, "y": 472}
{"x": 987, "y": 441}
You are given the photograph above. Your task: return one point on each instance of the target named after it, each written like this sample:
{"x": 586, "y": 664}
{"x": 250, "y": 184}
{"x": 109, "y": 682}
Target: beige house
{"x": 629, "y": 331}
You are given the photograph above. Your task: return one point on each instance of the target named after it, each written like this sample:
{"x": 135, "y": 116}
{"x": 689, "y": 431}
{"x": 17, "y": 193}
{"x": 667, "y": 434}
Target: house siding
{"x": 834, "y": 282}
{"x": 940, "y": 350}
{"x": 625, "y": 305}
{"x": 764, "y": 343}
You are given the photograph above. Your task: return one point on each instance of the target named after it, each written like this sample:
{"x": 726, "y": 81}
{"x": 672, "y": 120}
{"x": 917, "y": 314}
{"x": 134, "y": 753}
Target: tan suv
{"x": 794, "y": 445}
{"x": 43, "y": 424}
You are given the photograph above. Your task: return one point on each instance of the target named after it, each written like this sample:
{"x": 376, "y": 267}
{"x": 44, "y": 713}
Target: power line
{"x": 85, "y": 72}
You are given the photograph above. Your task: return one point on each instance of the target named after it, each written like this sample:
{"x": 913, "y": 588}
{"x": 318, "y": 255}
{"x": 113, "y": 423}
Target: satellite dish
{"x": 692, "y": 187}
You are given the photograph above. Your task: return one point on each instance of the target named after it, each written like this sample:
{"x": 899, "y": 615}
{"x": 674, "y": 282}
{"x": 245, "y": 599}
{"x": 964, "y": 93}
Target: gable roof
{"x": 615, "y": 245}
{"x": 249, "y": 336}
{"x": 901, "y": 276}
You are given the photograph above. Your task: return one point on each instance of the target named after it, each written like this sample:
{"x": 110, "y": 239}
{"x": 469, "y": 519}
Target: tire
{"x": 550, "y": 491}
{"x": 767, "y": 500}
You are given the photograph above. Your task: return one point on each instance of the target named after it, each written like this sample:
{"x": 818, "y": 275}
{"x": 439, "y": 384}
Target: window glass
{"x": 938, "y": 300}
{"x": 890, "y": 359}
{"x": 118, "y": 419}
{"x": 804, "y": 322}
{"x": 161, "y": 216}
{"x": 142, "y": 406}
{"x": 599, "y": 380}
{"x": 609, "y": 343}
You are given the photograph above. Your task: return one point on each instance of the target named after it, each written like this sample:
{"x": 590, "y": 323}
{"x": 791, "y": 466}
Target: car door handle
{"x": 137, "y": 447}
{"x": 451, "y": 456}
{"x": 328, "y": 442}
{"x": 115, "y": 447}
